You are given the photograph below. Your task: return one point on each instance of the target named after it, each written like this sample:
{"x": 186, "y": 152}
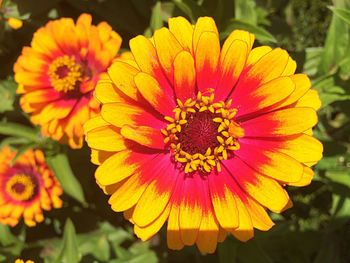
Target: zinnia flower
{"x": 22, "y": 261}
{"x": 202, "y": 137}
{"x": 15, "y": 23}
{"x": 58, "y": 73}
{"x": 27, "y": 187}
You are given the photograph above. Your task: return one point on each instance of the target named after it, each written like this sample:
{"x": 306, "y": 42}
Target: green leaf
{"x": 329, "y": 92}
{"x": 7, "y": 94}
{"x": 260, "y": 33}
{"x": 312, "y": 60}
{"x": 19, "y": 130}
{"x": 70, "y": 250}
{"x": 6, "y": 237}
{"x": 22, "y": 149}
{"x": 335, "y": 46}
{"x": 340, "y": 207}
{"x": 59, "y": 163}
{"x": 328, "y": 250}
{"x": 252, "y": 252}
{"x": 340, "y": 177}
{"x": 138, "y": 253}
{"x": 13, "y": 141}
{"x": 156, "y": 17}
{"x": 228, "y": 251}
{"x": 342, "y": 13}
{"x": 245, "y": 10}
{"x": 97, "y": 246}
{"x": 190, "y": 8}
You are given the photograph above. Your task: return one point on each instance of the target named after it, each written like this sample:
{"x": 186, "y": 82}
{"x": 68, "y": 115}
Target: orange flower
{"x": 58, "y": 73}
{"x": 22, "y": 261}
{"x": 202, "y": 137}
{"x": 26, "y": 188}
{"x": 15, "y": 23}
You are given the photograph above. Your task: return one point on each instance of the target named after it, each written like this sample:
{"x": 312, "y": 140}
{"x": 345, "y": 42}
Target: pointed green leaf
{"x": 7, "y": 94}
{"x": 70, "y": 250}
{"x": 190, "y": 8}
{"x": 259, "y": 32}
{"x": 156, "y": 17}
{"x": 335, "y": 46}
{"x": 342, "y": 13}
{"x": 245, "y": 10}
{"x": 59, "y": 163}
{"x": 19, "y": 130}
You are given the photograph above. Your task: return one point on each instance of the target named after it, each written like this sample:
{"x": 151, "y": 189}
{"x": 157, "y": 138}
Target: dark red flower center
{"x": 62, "y": 71}
{"x": 18, "y": 188}
{"x": 199, "y": 133}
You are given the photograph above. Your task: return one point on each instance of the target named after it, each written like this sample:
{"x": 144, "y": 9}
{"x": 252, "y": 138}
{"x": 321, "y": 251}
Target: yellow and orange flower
{"x": 22, "y": 261}
{"x": 202, "y": 137}
{"x": 58, "y": 73}
{"x": 27, "y": 187}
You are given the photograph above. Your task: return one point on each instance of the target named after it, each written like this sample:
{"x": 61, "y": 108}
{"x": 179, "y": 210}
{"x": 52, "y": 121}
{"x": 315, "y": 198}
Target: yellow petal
{"x": 240, "y": 35}
{"x": 144, "y": 135}
{"x": 302, "y": 85}
{"x": 204, "y": 24}
{"x": 167, "y": 48}
{"x": 260, "y": 218}
{"x": 207, "y": 54}
{"x": 232, "y": 63}
{"x": 127, "y": 195}
{"x": 145, "y": 233}
{"x": 184, "y": 77}
{"x": 106, "y": 139}
{"x": 122, "y": 74}
{"x": 94, "y": 123}
{"x": 208, "y": 234}
{"x": 244, "y": 231}
{"x": 257, "y": 53}
{"x": 290, "y": 68}
{"x": 306, "y": 178}
{"x": 270, "y": 66}
{"x": 173, "y": 231}
{"x": 303, "y": 148}
{"x": 154, "y": 94}
{"x": 115, "y": 168}
{"x": 151, "y": 204}
{"x": 182, "y": 30}
{"x": 310, "y": 99}
{"x": 280, "y": 123}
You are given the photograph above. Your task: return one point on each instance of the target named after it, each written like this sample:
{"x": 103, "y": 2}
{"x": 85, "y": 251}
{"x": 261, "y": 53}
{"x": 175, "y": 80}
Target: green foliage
{"x": 59, "y": 164}
{"x": 316, "y": 230}
{"x": 7, "y": 93}
{"x": 70, "y": 250}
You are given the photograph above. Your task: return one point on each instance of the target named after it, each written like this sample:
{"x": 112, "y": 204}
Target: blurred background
{"x": 317, "y": 229}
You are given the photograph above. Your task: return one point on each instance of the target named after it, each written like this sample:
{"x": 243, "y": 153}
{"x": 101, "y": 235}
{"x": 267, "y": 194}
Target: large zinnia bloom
{"x": 58, "y": 73}
{"x": 27, "y": 187}
{"x": 202, "y": 136}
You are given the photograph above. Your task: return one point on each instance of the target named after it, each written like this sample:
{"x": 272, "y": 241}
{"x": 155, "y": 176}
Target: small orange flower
{"x": 58, "y": 73}
{"x": 15, "y": 23}
{"x": 22, "y": 261}
{"x": 202, "y": 136}
{"x": 26, "y": 188}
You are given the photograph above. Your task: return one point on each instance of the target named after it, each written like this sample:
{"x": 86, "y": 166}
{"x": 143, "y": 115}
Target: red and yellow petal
{"x": 280, "y": 123}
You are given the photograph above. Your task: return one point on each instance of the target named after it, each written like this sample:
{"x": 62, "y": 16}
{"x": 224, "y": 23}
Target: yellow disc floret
{"x": 202, "y": 133}
{"x": 20, "y": 187}
{"x": 65, "y": 73}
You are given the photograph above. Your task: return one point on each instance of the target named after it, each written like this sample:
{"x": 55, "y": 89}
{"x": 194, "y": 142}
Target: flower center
{"x": 202, "y": 133}
{"x": 65, "y": 73}
{"x": 21, "y": 187}
{"x": 199, "y": 133}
